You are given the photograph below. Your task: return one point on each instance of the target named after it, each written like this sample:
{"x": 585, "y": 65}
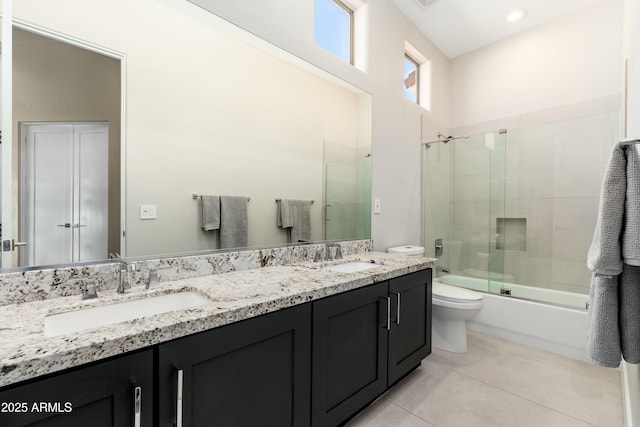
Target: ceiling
{"x": 457, "y": 27}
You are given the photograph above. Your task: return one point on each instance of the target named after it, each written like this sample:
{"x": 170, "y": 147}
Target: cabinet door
{"x": 410, "y": 334}
{"x": 101, "y": 395}
{"x": 251, "y": 373}
{"x": 349, "y": 353}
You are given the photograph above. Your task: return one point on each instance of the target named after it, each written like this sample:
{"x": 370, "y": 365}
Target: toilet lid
{"x": 454, "y": 293}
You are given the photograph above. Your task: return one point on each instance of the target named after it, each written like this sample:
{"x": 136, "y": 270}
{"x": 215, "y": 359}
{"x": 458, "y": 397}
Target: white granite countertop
{"x": 25, "y": 351}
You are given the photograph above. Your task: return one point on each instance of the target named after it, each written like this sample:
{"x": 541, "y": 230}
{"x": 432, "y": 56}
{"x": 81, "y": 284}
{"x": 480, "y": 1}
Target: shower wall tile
{"x": 578, "y": 181}
{"x": 578, "y": 213}
{"x": 571, "y": 272}
{"x": 471, "y": 188}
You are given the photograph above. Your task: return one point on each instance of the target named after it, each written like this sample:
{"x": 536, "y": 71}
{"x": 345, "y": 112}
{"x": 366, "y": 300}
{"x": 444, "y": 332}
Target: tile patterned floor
{"x": 499, "y": 383}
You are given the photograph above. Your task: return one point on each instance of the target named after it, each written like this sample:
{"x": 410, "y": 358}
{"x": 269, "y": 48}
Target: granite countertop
{"x": 26, "y": 352}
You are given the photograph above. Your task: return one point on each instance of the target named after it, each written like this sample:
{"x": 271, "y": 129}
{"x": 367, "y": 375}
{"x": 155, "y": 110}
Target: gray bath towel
{"x": 296, "y": 216}
{"x": 605, "y": 253}
{"x": 234, "y": 222}
{"x": 613, "y": 319}
{"x": 210, "y": 212}
{"x": 631, "y": 236}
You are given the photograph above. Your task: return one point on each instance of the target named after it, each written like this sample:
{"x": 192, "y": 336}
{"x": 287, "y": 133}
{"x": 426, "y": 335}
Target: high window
{"x": 417, "y": 77}
{"x": 334, "y": 28}
{"x": 411, "y": 79}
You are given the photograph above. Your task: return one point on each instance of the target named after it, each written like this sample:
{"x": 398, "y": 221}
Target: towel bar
{"x": 312, "y": 201}
{"x": 630, "y": 141}
{"x": 197, "y": 196}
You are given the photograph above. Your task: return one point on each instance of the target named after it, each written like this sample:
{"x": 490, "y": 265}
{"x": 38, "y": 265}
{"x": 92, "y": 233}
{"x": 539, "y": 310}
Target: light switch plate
{"x": 376, "y": 206}
{"x": 148, "y": 212}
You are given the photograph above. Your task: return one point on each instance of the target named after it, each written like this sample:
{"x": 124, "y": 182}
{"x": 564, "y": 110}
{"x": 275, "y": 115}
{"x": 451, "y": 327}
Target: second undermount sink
{"x": 102, "y": 315}
{"x": 352, "y": 267}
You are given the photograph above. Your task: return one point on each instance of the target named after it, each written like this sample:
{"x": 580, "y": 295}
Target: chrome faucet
{"x": 123, "y": 282}
{"x": 89, "y": 289}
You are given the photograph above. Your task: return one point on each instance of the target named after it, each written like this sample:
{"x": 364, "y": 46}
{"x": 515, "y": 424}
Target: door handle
{"x": 387, "y": 325}
{"x": 137, "y": 406}
{"x": 79, "y": 225}
{"x": 179, "y": 398}
{"x": 65, "y": 225}
{"x": 397, "y": 308}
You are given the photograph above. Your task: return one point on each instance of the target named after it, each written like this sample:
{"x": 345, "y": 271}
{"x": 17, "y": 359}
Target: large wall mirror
{"x": 123, "y": 113}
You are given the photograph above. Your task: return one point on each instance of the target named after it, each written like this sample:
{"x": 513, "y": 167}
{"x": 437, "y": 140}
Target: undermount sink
{"x": 93, "y": 317}
{"x": 352, "y": 267}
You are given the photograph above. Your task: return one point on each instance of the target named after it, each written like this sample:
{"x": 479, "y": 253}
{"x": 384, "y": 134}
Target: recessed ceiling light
{"x": 516, "y": 15}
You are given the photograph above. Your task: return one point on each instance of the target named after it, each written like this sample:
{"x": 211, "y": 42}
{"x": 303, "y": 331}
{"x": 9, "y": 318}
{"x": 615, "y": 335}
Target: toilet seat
{"x": 454, "y": 294}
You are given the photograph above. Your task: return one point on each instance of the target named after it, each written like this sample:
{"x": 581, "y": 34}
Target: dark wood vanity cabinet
{"x": 256, "y": 372}
{"x": 114, "y": 393}
{"x": 349, "y": 353}
{"x": 410, "y": 333}
{"x": 364, "y": 341}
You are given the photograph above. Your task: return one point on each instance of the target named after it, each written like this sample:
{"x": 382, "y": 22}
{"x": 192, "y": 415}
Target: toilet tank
{"x": 407, "y": 250}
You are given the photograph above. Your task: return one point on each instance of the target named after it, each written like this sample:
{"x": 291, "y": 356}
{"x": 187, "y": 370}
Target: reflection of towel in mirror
{"x": 295, "y": 215}
{"x": 234, "y": 222}
{"x": 210, "y": 212}
{"x": 614, "y": 256}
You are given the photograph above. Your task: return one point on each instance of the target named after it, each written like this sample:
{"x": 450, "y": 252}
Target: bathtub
{"x": 547, "y": 319}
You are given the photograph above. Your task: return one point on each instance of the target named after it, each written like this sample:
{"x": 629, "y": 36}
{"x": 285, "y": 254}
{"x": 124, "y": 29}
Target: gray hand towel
{"x": 210, "y": 218}
{"x": 301, "y": 229}
{"x": 603, "y": 334}
{"x": 631, "y": 234}
{"x": 234, "y": 222}
{"x": 605, "y": 253}
{"x": 613, "y": 327}
{"x": 629, "y": 316}
{"x": 296, "y": 216}
{"x": 284, "y": 213}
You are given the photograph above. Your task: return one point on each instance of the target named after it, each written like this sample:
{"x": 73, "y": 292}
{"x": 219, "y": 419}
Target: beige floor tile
{"x": 385, "y": 413}
{"x": 448, "y": 399}
{"x": 500, "y": 383}
{"x": 562, "y": 384}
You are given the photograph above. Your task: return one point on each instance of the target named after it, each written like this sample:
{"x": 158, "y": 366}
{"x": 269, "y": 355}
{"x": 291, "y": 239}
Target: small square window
{"x": 411, "y": 79}
{"x": 334, "y": 28}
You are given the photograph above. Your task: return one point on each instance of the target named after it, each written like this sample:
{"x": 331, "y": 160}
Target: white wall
{"x": 574, "y": 60}
{"x": 207, "y": 114}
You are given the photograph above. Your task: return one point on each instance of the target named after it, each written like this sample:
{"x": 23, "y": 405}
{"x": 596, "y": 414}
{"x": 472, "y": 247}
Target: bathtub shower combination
{"x": 512, "y": 212}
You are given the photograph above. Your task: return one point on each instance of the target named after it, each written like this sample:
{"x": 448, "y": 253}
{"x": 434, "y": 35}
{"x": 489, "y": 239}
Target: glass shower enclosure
{"x": 516, "y": 208}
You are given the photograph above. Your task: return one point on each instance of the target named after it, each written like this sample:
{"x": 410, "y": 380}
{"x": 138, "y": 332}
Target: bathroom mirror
{"x": 193, "y": 106}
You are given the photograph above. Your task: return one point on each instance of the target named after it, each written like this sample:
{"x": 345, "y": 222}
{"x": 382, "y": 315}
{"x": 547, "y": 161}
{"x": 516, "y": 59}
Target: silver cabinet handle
{"x": 179, "y": 401}
{"x": 137, "y": 406}
{"x": 398, "y": 308}
{"x": 388, "y": 313}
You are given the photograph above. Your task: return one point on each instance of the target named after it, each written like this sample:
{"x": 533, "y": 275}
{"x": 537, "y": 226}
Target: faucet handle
{"x": 152, "y": 280}
{"x": 338, "y": 252}
{"x": 89, "y": 289}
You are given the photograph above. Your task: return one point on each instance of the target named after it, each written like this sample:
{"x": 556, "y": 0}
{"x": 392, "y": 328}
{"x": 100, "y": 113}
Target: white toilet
{"x": 452, "y": 307}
